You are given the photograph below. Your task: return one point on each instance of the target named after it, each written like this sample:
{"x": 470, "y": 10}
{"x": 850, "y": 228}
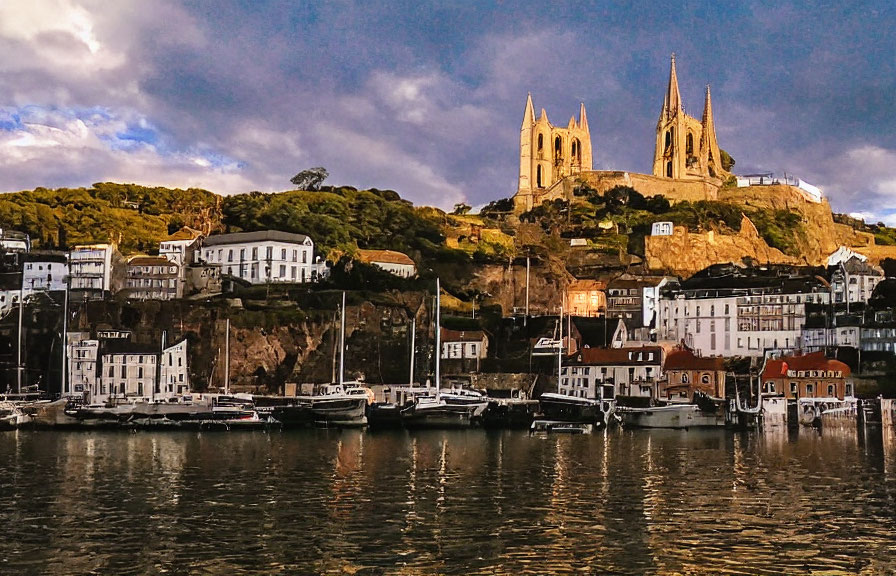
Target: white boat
{"x": 679, "y": 416}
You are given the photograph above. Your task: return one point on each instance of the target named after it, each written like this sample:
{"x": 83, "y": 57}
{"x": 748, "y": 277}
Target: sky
{"x": 426, "y": 98}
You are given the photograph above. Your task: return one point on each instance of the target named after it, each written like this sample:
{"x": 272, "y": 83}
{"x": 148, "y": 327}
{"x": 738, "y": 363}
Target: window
{"x": 230, "y": 255}
{"x": 283, "y": 254}
{"x": 704, "y": 379}
{"x": 793, "y": 388}
{"x": 830, "y": 390}
{"x": 270, "y": 252}
{"x": 282, "y": 271}
{"x": 242, "y": 254}
{"x": 684, "y": 378}
{"x": 255, "y": 252}
{"x": 810, "y": 389}
{"x": 295, "y": 255}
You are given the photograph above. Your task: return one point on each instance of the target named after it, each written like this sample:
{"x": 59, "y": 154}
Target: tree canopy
{"x": 310, "y": 179}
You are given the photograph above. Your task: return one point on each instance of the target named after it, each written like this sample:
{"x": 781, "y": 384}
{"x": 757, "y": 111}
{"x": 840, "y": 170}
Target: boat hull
{"x": 323, "y": 412}
{"x": 676, "y": 417}
{"x": 559, "y": 408}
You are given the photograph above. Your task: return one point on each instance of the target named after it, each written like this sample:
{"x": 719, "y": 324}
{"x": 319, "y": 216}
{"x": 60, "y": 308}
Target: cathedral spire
{"x": 672, "y": 104}
{"x": 708, "y": 126}
{"x": 529, "y": 114}
{"x": 583, "y": 118}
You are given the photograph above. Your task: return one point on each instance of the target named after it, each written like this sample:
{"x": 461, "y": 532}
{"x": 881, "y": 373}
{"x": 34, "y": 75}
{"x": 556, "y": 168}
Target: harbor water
{"x": 448, "y": 502}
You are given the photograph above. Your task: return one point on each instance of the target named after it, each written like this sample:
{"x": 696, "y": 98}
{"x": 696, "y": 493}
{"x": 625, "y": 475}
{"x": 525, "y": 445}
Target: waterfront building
{"x": 685, "y": 374}
{"x": 390, "y": 261}
{"x": 597, "y": 333}
{"x": 82, "y": 356}
{"x": 632, "y": 372}
{"x": 127, "y": 370}
{"x": 878, "y": 334}
{"x": 727, "y": 310}
{"x": 808, "y": 376}
{"x": 96, "y": 271}
{"x": 463, "y": 349}
{"x": 44, "y": 271}
{"x": 174, "y": 377}
{"x": 634, "y": 300}
{"x": 153, "y": 278}
{"x": 264, "y": 256}
{"x": 586, "y": 298}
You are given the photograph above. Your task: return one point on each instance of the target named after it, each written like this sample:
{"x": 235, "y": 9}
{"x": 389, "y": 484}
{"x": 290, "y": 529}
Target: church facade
{"x": 548, "y": 153}
{"x": 686, "y": 148}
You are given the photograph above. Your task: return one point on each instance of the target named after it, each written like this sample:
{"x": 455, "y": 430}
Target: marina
{"x": 350, "y": 501}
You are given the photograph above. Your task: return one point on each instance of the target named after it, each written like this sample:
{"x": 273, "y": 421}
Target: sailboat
{"x": 336, "y": 404}
{"x": 454, "y": 409}
{"x": 566, "y": 413}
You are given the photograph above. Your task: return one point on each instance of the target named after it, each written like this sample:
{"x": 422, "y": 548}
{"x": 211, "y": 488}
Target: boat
{"x": 560, "y": 427}
{"x": 342, "y": 404}
{"x": 456, "y": 408}
{"x": 704, "y": 412}
{"x": 514, "y": 411}
{"x": 557, "y": 407}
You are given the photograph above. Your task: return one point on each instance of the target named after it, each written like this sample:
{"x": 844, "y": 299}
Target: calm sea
{"x": 459, "y": 502}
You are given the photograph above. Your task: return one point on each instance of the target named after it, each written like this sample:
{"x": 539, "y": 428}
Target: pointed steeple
{"x": 583, "y": 118}
{"x": 543, "y": 116}
{"x": 672, "y": 105}
{"x": 529, "y": 114}
{"x": 707, "y": 112}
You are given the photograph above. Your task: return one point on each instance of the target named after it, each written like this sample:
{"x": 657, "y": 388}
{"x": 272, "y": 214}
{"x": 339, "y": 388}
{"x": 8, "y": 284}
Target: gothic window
{"x": 668, "y": 169}
{"x": 540, "y": 145}
{"x": 576, "y": 152}
{"x": 668, "y": 146}
{"x": 689, "y": 146}
{"x": 538, "y": 176}
{"x": 558, "y": 150}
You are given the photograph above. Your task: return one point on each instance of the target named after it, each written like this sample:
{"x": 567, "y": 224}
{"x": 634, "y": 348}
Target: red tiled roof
{"x": 384, "y": 256}
{"x": 462, "y": 335}
{"x": 778, "y": 367}
{"x": 687, "y": 360}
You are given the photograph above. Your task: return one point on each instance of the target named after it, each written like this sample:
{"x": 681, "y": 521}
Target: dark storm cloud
{"x": 427, "y": 97}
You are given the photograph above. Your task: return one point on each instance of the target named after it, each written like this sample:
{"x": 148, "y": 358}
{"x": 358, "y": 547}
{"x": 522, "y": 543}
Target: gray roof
{"x": 259, "y": 236}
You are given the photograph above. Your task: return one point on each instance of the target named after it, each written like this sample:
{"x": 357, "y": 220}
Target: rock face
{"x": 685, "y": 253}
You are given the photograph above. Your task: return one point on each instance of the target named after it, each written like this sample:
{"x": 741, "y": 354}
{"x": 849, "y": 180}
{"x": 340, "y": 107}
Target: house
{"x": 95, "y": 271}
{"x": 14, "y": 241}
{"x": 853, "y": 280}
{"x": 808, "y": 376}
{"x": 127, "y": 370}
{"x": 202, "y": 279}
{"x": 44, "y": 271}
{"x": 597, "y": 333}
{"x": 153, "y": 278}
{"x": 634, "y": 300}
{"x": 390, "y": 261}
{"x": 264, "y": 256}
{"x": 174, "y": 377}
{"x": 631, "y": 371}
{"x": 83, "y": 355}
{"x": 464, "y": 344}
{"x": 181, "y": 246}
{"x": 686, "y": 373}
{"x": 586, "y": 298}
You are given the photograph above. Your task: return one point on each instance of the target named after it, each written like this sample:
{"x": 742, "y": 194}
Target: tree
{"x": 461, "y": 208}
{"x": 727, "y": 161}
{"x": 310, "y": 179}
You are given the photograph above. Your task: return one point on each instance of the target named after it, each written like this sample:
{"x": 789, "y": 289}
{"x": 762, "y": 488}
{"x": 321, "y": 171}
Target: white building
{"x": 180, "y": 247}
{"x": 822, "y": 338}
{"x": 738, "y": 313}
{"x": 44, "y": 271}
{"x": 265, "y": 256}
{"x": 629, "y": 371}
{"x": 127, "y": 371}
{"x": 853, "y": 280}
{"x": 464, "y": 344}
{"x": 96, "y": 270}
{"x": 14, "y": 241}
{"x": 174, "y": 378}
{"x": 82, "y": 357}
{"x": 153, "y": 278}
{"x": 390, "y": 261}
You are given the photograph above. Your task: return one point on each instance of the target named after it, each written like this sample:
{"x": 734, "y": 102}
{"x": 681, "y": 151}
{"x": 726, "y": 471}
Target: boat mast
{"x": 342, "y": 343}
{"x": 438, "y": 337}
{"x": 64, "y": 388}
{"x": 19, "y": 348}
{"x": 560, "y": 346}
{"x": 413, "y": 339}
{"x": 227, "y": 359}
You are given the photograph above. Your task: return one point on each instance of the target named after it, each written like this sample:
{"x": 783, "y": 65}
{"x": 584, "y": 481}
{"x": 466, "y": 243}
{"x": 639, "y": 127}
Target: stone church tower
{"x": 548, "y": 154}
{"x": 686, "y": 148}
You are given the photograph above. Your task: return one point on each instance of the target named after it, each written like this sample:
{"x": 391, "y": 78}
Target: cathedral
{"x": 687, "y": 162}
{"x": 686, "y": 148}
{"x": 548, "y": 154}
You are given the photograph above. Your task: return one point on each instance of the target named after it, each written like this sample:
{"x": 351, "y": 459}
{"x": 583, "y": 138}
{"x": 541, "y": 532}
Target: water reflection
{"x": 458, "y": 502}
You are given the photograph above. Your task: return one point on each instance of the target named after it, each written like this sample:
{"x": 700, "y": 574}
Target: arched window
{"x": 558, "y": 149}
{"x": 540, "y": 143}
{"x": 684, "y": 378}
{"x": 689, "y": 145}
{"x": 704, "y": 379}
{"x": 668, "y": 169}
{"x": 576, "y": 152}
{"x": 538, "y": 176}
{"x": 668, "y": 145}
